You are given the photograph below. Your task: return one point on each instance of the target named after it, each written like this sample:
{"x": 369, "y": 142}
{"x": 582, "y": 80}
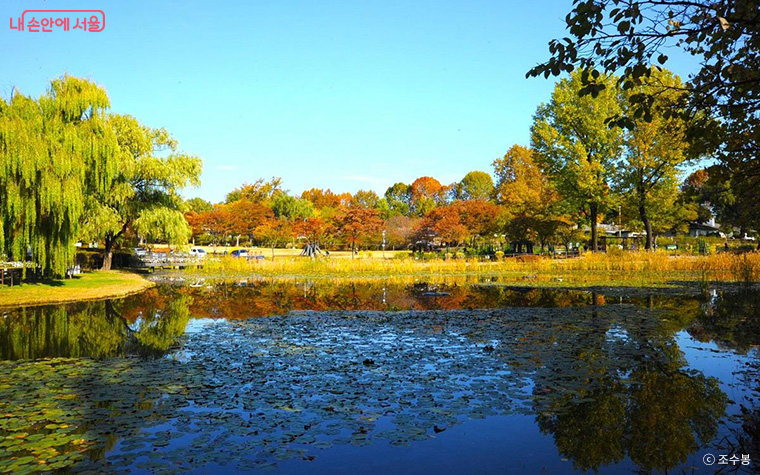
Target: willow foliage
{"x": 142, "y": 194}
{"x": 70, "y": 171}
{"x": 54, "y": 151}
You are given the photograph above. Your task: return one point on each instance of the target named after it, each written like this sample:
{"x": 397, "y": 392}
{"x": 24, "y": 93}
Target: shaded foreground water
{"x": 374, "y": 377}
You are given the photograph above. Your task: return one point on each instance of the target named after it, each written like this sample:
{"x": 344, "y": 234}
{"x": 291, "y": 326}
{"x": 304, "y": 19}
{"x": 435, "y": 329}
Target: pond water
{"x": 381, "y": 376}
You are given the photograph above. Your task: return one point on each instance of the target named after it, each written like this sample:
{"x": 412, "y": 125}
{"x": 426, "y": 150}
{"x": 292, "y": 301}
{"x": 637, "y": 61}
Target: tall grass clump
{"x": 746, "y": 269}
{"x": 722, "y": 264}
{"x": 619, "y": 261}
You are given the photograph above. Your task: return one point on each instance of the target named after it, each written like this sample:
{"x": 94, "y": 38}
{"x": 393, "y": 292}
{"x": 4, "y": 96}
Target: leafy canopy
{"x": 143, "y": 193}
{"x": 55, "y": 151}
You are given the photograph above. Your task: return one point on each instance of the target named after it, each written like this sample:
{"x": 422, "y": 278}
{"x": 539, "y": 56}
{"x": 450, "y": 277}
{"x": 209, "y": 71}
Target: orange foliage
{"x": 324, "y": 198}
{"x": 358, "y": 223}
{"x": 313, "y": 229}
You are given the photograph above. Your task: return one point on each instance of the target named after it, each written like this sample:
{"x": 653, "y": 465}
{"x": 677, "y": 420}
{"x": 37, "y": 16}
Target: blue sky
{"x": 344, "y": 95}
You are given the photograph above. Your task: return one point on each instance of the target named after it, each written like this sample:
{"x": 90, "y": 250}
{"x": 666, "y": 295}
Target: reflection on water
{"x": 146, "y": 324}
{"x": 608, "y": 389}
{"x": 610, "y": 382}
{"x": 263, "y": 298}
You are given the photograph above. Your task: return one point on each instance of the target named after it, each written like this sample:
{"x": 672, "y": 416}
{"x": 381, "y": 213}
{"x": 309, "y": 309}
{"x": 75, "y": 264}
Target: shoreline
{"x": 95, "y": 285}
{"x": 674, "y": 282}
{"x": 635, "y": 271}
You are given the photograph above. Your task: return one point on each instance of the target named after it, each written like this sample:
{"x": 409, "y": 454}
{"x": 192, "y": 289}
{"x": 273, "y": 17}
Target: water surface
{"x": 374, "y": 377}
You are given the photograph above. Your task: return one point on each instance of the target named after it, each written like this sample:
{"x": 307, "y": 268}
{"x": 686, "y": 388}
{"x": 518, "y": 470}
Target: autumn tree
{"x": 480, "y": 218}
{"x": 196, "y": 222}
{"x": 575, "y": 146}
{"x": 195, "y": 211}
{"x": 445, "y": 224}
{"x": 274, "y": 232}
{"x": 143, "y": 192}
{"x": 315, "y": 229}
{"x": 459, "y": 221}
{"x": 260, "y": 191}
{"x": 217, "y": 223}
{"x": 244, "y": 217}
{"x": 326, "y": 198}
{"x": 533, "y": 206}
{"x": 425, "y": 193}
{"x": 399, "y": 230}
{"x": 357, "y": 224}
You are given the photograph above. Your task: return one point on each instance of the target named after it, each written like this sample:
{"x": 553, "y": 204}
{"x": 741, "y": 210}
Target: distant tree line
{"x": 605, "y": 148}
{"x": 578, "y": 172}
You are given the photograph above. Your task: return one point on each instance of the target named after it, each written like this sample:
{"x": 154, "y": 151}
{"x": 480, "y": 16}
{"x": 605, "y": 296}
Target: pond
{"x": 380, "y": 376}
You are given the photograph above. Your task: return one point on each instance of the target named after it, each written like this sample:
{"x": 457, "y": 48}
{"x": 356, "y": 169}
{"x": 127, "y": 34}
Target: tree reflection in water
{"x": 146, "y": 324}
{"x": 607, "y": 382}
{"x": 638, "y": 402}
{"x": 260, "y": 298}
{"x": 732, "y": 321}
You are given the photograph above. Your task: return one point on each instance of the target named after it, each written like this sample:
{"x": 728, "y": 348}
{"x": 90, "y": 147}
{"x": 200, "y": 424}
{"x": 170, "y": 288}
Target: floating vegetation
{"x": 253, "y": 394}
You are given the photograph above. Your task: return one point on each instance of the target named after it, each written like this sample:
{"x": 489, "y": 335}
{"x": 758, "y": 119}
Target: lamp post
{"x": 620, "y": 231}
{"x": 383, "y": 243}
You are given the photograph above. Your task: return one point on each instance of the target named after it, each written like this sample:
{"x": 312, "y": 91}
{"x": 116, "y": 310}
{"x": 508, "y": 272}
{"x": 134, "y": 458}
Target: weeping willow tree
{"x": 143, "y": 193}
{"x": 54, "y": 152}
{"x": 70, "y": 171}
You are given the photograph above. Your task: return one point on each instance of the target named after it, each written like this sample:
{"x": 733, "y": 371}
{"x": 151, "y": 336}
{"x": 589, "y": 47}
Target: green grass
{"x": 89, "y": 286}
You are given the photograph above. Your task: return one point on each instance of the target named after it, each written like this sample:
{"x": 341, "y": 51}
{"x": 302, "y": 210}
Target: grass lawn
{"x": 89, "y": 286}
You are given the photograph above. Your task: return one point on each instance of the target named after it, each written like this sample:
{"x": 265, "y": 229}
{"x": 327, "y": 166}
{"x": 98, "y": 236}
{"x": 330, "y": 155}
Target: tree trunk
{"x": 594, "y": 239}
{"x": 108, "y": 254}
{"x": 109, "y": 242}
{"x": 647, "y": 226}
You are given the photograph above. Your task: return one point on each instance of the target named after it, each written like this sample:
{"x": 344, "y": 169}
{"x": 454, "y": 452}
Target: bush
{"x": 89, "y": 259}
